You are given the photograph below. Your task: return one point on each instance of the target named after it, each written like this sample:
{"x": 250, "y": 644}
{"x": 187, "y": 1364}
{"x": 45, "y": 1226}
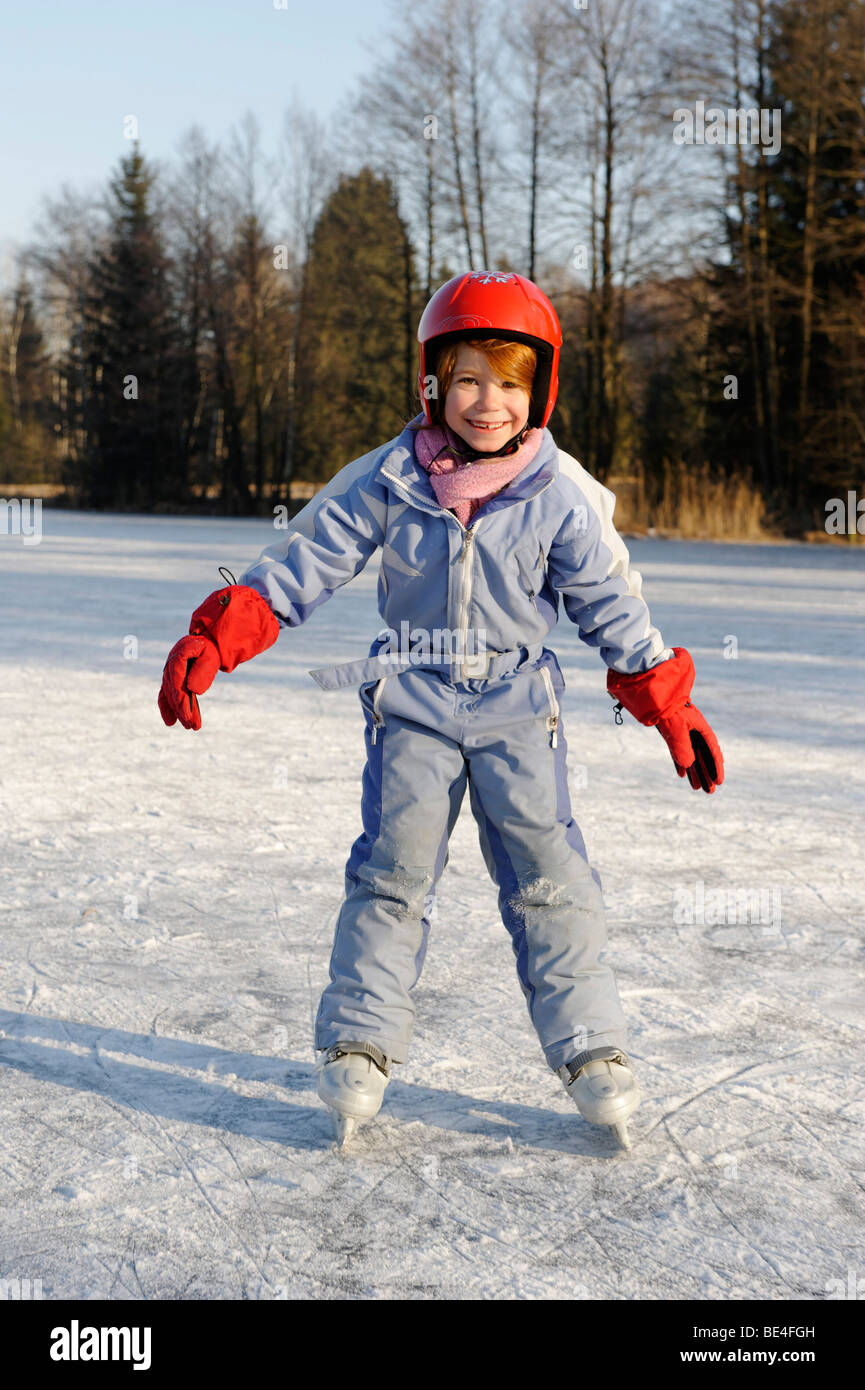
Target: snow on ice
{"x": 168, "y": 901}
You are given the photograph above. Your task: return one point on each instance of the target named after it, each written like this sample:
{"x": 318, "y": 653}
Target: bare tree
{"x": 541, "y": 153}
{"x": 68, "y": 229}
{"x": 193, "y": 197}
{"x": 429, "y": 118}
{"x": 611, "y": 53}
{"x": 308, "y": 171}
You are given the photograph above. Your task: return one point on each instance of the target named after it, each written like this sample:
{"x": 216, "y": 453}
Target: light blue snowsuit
{"x": 491, "y": 723}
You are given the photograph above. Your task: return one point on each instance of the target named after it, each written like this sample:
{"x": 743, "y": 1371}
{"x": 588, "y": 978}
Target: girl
{"x": 484, "y": 527}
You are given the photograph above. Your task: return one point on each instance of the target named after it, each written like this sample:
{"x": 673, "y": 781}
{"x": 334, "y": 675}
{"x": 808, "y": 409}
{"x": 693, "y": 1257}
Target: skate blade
{"x": 621, "y": 1132}
{"x": 344, "y": 1128}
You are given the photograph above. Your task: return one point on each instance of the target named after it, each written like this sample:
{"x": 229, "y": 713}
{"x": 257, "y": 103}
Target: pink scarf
{"x": 464, "y": 487}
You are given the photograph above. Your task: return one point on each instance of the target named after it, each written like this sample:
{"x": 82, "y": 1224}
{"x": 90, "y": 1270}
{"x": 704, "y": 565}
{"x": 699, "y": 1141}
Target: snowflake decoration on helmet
{"x": 492, "y": 277}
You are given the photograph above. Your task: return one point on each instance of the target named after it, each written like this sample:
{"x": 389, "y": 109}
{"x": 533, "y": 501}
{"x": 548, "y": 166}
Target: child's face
{"x": 477, "y": 397}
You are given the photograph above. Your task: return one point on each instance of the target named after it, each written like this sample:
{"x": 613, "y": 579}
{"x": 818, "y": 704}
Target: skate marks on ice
{"x": 152, "y": 1173}
{"x": 178, "y": 1080}
{"x": 196, "y": 1084}
{"x": 730, "y": 1192}
{"x": 157, "y": 1153}
{"x": 448, "y": 1193}
{"x": 205, "y": 1168}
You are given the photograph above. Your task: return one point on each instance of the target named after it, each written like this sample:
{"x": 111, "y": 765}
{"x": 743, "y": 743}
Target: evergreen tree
{"x": 7, "y": 438}
{"x": 789, "y": 322}
{"x": 24, "y": 390}
{"x": 816, "y": 190}
{"x": 356, "y": 345}
{"x": 130, "y": 411}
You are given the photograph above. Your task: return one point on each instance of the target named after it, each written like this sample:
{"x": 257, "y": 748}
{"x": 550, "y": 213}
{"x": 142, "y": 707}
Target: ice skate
{"x": 351, "y": 1082}
{"x": 604, "y": 1088}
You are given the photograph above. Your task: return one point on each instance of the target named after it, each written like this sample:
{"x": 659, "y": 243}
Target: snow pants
{"x": 427, "y": 739}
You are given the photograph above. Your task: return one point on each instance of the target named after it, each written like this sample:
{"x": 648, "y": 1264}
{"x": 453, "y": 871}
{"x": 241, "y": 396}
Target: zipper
{"x": 465, "y": 556}
{"x": 378, "y": 722}
{"x": 553, "y": 718}
{"x": 425, "y": 503}
{"x": 465, "y": 553}
{"x": 543, "y": 564}
{"x": 526, "y": 583}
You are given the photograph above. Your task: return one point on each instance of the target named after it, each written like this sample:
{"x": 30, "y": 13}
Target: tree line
{"x": 210, "y": 332}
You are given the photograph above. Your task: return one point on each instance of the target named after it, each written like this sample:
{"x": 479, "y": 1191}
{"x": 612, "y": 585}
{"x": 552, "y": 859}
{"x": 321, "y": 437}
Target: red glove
{"x": 660, "y": 697}
{"x": 230, "y": 626}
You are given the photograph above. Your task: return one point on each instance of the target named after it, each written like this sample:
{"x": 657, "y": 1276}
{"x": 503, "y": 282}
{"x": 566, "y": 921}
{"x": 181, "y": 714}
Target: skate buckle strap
{"x": 570, "y": 1070}
{"x": 343, "y": 1049}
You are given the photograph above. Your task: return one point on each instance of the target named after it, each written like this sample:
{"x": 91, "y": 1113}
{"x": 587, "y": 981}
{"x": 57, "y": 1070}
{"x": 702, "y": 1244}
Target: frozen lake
{"x": 167, "y": 904}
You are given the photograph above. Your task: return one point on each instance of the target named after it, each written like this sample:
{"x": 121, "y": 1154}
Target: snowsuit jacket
{"x": 547, "y": 537}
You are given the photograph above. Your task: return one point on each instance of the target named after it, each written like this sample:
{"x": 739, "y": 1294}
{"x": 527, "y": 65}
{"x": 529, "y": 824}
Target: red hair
{"x": 511, "y": 361}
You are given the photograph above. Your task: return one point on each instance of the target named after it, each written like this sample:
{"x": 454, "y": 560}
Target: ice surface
{"x": 167, "y": 903}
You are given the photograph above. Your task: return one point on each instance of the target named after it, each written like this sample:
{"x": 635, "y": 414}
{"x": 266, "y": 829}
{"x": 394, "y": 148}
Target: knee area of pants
{"x": 542, "y": 892}
{"x": 405, "y": 888}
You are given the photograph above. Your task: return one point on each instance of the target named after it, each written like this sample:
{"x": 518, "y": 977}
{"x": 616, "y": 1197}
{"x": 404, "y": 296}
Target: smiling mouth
{"x": 482, "y": 425}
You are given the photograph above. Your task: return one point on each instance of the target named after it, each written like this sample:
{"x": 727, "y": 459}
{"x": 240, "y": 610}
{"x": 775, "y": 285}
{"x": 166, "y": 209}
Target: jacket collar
{"x": 399, "y": 467}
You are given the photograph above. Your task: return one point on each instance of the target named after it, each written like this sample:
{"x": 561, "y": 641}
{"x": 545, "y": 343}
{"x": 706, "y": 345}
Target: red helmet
{"x": 494, "y": 304}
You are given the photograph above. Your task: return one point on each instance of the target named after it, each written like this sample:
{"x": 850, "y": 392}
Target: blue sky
{"x": 71, "y": 70}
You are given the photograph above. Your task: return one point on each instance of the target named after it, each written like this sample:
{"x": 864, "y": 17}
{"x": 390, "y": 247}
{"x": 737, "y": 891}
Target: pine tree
{"x": 789, "y": 322}
{"x": 130, "y": 413}
{"x": 24, "y": 389}
{"x": 7, "y": 438}
{"x": 816, "y": 189}
{"x": 356, "y": 347}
